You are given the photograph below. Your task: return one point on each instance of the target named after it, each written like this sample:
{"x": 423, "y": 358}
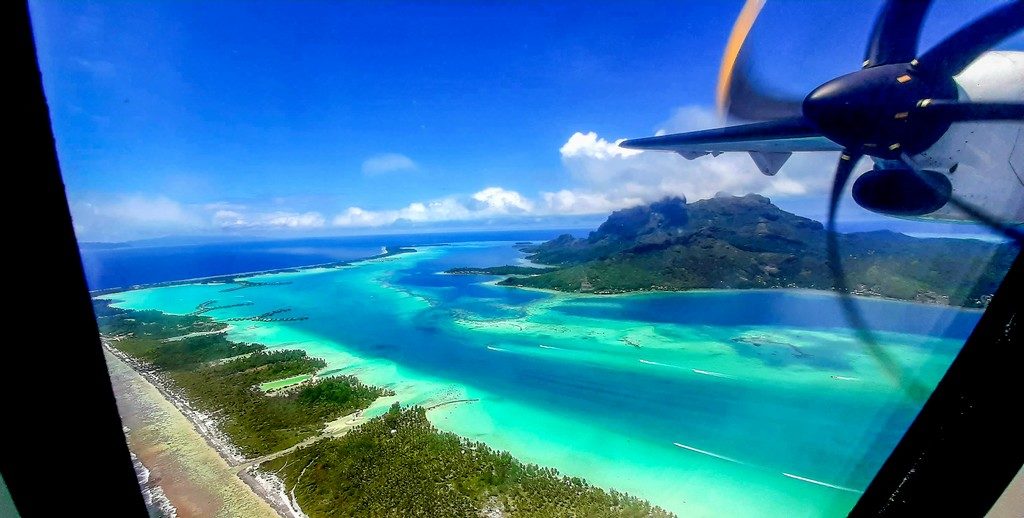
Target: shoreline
{"x": 230, "y": 277}
{"x": 265, "y": 487}
{"x": 718, "y": 291}
{"x": 408, "y": 249}
{"x": 862, "y": 296}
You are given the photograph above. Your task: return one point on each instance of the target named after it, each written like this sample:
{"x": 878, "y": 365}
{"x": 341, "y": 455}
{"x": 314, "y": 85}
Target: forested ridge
{"x": 746, "y": 242}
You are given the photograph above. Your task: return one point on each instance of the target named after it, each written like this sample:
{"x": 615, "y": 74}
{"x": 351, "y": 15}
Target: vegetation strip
{"x": 255, "y": 422}
{"x": 397, "y": 464}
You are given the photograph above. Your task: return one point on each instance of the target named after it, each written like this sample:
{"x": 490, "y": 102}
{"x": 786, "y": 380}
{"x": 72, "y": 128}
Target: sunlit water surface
{"x": 729, "y": 403}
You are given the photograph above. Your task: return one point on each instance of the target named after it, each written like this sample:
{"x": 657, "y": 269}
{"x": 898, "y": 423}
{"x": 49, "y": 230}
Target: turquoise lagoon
{"x": 718, "y": 403}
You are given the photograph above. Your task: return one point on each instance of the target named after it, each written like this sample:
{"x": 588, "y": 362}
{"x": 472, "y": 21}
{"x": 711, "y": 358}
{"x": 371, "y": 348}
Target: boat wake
{"x": 820, "y": 483}
{"x": 712, "y": 373}
{"x": 695, "y": 371}
{"x": 542, "y": 346}
{"x": 648, "y": 362}
{"x": 499, "y": 349}
{"x": 705, "y": 452}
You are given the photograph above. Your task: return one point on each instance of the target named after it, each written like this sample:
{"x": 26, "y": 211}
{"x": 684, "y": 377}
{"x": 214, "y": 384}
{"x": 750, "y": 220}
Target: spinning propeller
{"x": 898, "y": 105}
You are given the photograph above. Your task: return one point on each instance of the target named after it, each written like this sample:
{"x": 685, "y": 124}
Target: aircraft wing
{"x": 769, "y": 143}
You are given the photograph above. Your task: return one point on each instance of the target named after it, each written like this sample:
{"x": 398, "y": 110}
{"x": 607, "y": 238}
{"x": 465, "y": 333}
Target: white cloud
{"x": 573, "y": 202}
{"x": 131, "y": 217}
{"x": 610, "y": 177}
{"x": 486, "y": 203}
{"x": 447, "y": 209}
{"x": 295, "y": 220}
{"x": 600, "y": 176}
{"x": 232, "y": 219}
{"x": 224, "y": 205}
{"x": 607, "y": 177}
{"x": 357, "y": 217}
{"x": 138, "y": 217}
{"x": 388, "y": 163}
{"x": 228, "y": 218}
{"x": 502, "y": 201}
{"x": 144, "y": 210}
{"x": 589, "y": 145}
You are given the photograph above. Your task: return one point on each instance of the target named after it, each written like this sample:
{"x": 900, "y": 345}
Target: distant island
{"x": 746, "y": 242}
{"x": 501, "y": 270}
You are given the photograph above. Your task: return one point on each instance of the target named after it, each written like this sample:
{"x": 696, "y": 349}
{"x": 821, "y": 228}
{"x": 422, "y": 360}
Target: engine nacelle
{"x": 901, "y": 192}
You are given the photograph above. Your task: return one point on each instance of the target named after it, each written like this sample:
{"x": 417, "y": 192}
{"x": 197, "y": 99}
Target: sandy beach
{"x": 192, "y": 474}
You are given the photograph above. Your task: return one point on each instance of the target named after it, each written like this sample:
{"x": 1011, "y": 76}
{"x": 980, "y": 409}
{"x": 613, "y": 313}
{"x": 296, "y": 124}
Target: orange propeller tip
{"x": 730, "y": 58}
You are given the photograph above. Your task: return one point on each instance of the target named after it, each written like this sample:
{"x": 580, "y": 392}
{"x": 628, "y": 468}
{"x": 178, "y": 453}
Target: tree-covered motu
{"x": 396, "y": 465}
{"x": 222, "y": 378}
{"x": 399, "y": 465}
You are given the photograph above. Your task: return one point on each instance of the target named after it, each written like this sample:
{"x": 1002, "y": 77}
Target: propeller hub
{"x": 874, "y": 110}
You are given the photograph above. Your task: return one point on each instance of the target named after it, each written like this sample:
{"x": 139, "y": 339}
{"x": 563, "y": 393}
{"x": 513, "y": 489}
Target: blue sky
{"x": 316, "y": 118}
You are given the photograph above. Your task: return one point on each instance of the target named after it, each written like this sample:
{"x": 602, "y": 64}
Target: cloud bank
{"x": 486, "y": 203}
{"x": 602, "y": 176}
{"x": 138, "y": 216}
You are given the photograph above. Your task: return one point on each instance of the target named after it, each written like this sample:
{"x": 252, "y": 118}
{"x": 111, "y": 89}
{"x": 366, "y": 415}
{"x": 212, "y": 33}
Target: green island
{"x": 242, "y": 284}
{"x": 396, "y": 464}
{"x": 222, "y": 378}
{"x": 241, "y": 280}
{"x": 746, "y": 242}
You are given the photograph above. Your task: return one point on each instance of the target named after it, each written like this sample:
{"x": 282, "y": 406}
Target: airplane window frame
{"x": 930, "y": 471}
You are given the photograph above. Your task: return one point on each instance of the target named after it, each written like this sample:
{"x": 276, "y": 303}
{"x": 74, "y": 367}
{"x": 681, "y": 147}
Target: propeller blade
{"x": 896, "y": 31}
{"x": 954, "y": 111}
{"x": 847, "y": 161}
{"x": 1007, "y": 230}
{"x": 737, "y": 94}
{"x": 952, "y": 55}
{"x": 910, "y": 385}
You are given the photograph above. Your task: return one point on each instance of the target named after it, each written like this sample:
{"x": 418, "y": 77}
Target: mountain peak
{"x": 672, "y": 216}
{"x": 748, "y": 242}
{"x": 636, "y": 221}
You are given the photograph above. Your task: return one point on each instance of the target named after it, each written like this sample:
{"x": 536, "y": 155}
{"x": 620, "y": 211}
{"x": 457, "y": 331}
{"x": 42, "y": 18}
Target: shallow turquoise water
{"x": 281, "y": 383}
{"x": 706, "y": 403}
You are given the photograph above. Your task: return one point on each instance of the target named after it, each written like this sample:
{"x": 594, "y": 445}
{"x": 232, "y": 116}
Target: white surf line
{"x": 696, "y": 371}
{"x": 845, "y": 378}
{"x": 698, "y": 450}
{"x": 712, "y": 373}
{"x": 499, "y": 349}
{"x": 649, "y": 362}
{"x": 820, "y": 483}
{"x": 542, "y": 346}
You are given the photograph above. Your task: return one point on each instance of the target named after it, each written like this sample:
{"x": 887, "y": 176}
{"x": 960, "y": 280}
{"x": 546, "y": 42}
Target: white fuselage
{"x": 986, "y": 158}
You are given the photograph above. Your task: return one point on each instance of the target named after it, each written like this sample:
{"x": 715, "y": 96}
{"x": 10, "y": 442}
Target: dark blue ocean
{"x": 128, "y": 265}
